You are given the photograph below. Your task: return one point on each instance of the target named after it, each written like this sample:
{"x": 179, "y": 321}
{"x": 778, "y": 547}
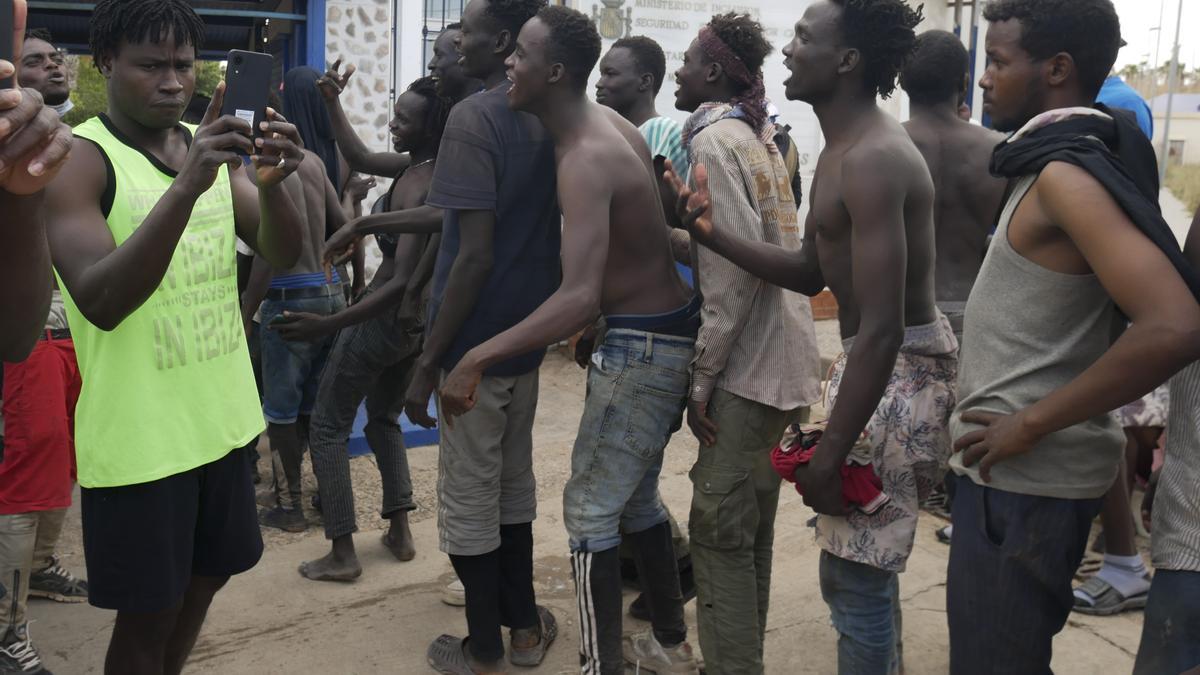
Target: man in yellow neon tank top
{"x": 141, "y": 224}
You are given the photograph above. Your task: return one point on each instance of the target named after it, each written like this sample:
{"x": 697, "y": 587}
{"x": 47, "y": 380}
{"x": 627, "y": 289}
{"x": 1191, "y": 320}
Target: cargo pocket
{"x": 723, "y": 507}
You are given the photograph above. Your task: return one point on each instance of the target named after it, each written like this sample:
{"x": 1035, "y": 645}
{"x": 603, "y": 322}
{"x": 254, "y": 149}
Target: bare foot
{"x": 398, "y": 539}
{"x": 402, "y": 547}
{"x": 331, "y": 568}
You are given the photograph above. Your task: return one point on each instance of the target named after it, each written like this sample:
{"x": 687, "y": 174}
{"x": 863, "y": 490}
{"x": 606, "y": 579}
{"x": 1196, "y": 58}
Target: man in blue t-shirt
{"x": 1116, "y": 94}
{"x": 498, "y": 261}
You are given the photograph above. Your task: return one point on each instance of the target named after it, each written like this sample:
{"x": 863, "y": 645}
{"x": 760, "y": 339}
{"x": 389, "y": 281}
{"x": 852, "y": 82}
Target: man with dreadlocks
{"x": 141, "y": 224}
{"x": 870, "y": 237}
{"x": 756, "y": 365}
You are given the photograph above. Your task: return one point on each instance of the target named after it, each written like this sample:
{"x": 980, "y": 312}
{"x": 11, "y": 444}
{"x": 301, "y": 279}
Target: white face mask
{"x": 63, "y": 108}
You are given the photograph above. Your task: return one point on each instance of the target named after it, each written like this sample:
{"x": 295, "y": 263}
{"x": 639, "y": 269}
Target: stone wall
{"x": 359, "y": 32}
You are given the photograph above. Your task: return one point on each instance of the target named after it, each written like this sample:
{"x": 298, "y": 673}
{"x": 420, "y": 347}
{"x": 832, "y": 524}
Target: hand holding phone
{"x": 247, "y": 81}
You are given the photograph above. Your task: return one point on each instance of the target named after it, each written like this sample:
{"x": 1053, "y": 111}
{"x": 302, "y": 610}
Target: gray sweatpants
{"x": 485, "y": 466}
{"x": 27, "y": 542}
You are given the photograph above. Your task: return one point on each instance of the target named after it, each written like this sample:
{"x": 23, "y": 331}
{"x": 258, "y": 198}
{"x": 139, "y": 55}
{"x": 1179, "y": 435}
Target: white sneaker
{"x": 644, "y": 653}
{"x": 454, "y": 594}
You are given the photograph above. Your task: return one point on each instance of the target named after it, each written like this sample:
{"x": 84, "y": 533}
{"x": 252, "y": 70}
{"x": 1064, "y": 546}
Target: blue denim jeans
{"x": 637, "y": 391}
{"x": 292, "y": 370}
{"x": 864, "y": 604}
{"x": 1171, "y": 627}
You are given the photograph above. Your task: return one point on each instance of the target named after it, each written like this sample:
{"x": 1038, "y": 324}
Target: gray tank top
{"x": 1028, "y": 331}
{"x": 1175, "y": 544}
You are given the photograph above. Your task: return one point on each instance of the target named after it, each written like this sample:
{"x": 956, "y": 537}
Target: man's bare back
{"x": 884, "y": 146}
{"x": 967, "y": 197}
{"x": 640, "y": 276}
{"x": 308, "y": 190}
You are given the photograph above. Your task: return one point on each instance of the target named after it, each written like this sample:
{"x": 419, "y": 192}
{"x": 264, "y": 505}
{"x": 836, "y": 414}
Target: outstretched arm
{"x": 1163, "y": 335}
{"x": 585, "y": 199}
{"x": 357, "y": 154}
{"x": 874, "y": 198}
{"x": 795, "y": 270}
{"x": 423, "y": 219}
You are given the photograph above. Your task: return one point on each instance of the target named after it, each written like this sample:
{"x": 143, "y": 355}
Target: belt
{"x": 55, "y": 334}
{"x": 323, "y": 291}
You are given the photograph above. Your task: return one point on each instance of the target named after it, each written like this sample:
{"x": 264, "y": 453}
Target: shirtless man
{"x": 870, "y": 237}
{"x": 616, "y": 261}
{"x": 292, "y": 371}
{"x": 35, "y": 136}
{"x": 957, "y": 153}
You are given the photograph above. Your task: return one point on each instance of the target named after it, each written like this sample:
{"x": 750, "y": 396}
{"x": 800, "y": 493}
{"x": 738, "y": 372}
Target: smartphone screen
{"x": 247, "y": 81}
{"x": 6, "y": 40}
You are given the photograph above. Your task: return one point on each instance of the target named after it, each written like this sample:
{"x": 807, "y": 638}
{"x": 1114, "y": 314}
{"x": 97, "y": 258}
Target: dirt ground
{"x": 271, "y": 620}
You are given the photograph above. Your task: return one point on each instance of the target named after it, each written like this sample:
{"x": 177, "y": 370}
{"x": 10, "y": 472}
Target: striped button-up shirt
{"x": 1176, "y": 541}
{"x": 756, "y": 341}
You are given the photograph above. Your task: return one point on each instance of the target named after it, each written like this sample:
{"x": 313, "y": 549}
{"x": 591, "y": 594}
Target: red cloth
{"x": 39, "y": 426}
{"x": 860, "y": 485}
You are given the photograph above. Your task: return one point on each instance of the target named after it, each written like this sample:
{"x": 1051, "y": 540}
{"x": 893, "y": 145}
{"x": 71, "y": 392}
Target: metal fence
{"x": 438, "y": 15}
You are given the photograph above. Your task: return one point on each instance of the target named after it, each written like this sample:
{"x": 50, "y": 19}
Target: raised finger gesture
{"x": 334, "y": 81}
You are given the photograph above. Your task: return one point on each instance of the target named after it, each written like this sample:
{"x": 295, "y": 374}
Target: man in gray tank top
{"x": 1036, "y": 447}
{"x": 1171, "y": 628}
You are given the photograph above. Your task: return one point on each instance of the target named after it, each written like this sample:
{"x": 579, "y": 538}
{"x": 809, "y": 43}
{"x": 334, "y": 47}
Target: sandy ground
{"x": 271, "y": 620}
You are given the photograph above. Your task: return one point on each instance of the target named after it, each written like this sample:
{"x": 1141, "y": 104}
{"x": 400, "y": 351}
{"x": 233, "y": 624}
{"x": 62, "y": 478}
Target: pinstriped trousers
{"x": 371, "y": 360}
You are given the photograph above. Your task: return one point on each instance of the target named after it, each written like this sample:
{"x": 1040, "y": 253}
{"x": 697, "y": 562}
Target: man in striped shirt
{"x": 756, "y": 364}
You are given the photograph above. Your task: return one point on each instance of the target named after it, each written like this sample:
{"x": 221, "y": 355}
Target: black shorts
{"x": 144, "y": 542}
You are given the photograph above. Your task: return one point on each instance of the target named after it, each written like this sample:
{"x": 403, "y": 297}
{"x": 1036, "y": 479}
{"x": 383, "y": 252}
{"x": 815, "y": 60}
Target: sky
{"x": 1139, "y": 17}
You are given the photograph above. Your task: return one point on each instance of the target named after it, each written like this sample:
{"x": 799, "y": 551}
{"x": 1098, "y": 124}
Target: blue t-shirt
{"x": 1116, "y": 94}
{"x": 495, "y": 159}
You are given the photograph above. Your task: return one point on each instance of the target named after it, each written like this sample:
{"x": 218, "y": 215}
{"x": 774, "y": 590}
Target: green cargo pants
{"x": 735, "y": 493}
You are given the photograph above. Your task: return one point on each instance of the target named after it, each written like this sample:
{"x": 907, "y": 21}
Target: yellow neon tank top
{"x": 171, "y": 388}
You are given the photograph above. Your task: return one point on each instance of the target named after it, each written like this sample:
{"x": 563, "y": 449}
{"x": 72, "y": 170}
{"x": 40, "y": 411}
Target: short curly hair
{"x": 573, "y": 41}
{"x": 883, "y": 33}
{"x": 744, "y": 37}
{"x": 1088, "y": 30}
{"x": 648, "y": 56}
{"x": 511, "y": 15}
{"x": 937, "y": 70}
{"x": 139, "y": 20}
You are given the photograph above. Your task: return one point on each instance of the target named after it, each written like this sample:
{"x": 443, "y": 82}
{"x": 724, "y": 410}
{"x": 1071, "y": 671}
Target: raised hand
{"x": 218, "y": 141}
{"x": 279, "y": 150}
{"x": 333, "y": 82}
{"x": 692, "y": 206}
{"x": 34, "y": 143}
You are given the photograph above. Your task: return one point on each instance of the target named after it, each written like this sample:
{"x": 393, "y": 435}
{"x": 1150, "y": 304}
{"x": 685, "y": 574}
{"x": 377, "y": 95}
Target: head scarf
{"x": 749, "y": 106}
{"x": 304, "y": 107}
{"x": 753, "y": 100}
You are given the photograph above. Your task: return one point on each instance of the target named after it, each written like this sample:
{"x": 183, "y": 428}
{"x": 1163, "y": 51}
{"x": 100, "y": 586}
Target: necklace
{"x": 428, "y": 161}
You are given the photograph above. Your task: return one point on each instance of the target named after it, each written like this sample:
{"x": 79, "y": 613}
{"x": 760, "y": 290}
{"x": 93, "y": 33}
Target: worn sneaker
{"x": 17, "y": 654}
{"x": 57, "y": 584}
{"x": 455, "y": 594}
{"x": 288, "y": 520}
{"x": 644, "y": 653}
